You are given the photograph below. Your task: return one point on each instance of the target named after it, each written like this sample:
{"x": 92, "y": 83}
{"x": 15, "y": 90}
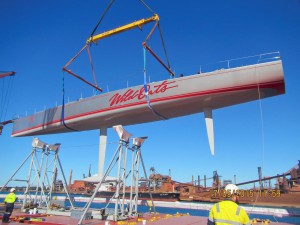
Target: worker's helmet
{"x": 12, "y": 190}
{"x": 232, "y": 188}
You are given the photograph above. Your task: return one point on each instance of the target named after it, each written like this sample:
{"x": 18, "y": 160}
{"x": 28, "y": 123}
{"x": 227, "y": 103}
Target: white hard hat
{"x": 12, "y": 190}
{"x": 232, "y": 188}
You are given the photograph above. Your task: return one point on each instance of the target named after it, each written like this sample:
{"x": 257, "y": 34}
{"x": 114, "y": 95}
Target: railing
{"x": 238, "y": 62}
{"x": 137, "y": 79}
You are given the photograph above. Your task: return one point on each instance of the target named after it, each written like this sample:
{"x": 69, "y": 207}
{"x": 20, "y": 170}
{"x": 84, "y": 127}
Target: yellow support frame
{"x": 126, "y": 27}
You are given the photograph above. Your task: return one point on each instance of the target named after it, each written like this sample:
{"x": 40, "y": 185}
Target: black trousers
{"x": 9, "y": 207}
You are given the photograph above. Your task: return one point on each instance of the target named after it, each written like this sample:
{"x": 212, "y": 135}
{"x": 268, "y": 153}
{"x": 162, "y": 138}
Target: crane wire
{"x": 160, "y": 32}
{"x": 164, "y": 45}
{"x": 147, "y": 7}
{"x": 106, "y": 10}
{"x": 92, "y": 33}
{"x": 94, "y": 30}
{"x": 102, "y": 17}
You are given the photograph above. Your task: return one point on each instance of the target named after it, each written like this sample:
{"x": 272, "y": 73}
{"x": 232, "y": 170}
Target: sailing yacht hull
{"x": 167, "y": 99}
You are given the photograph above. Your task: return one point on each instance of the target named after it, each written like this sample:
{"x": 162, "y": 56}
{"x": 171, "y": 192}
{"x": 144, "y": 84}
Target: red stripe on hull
{"x": 278, "y": 86}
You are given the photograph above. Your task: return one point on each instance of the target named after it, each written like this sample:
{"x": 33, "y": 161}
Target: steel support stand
{"x": 40, "y": 166}
{"x": 145, "y": 174}
{"x": 120, "y": 159}
{"x": 110, "y": 167}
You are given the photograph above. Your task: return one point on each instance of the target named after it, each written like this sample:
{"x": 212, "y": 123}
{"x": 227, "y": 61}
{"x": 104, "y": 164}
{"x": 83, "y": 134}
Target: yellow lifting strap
{"x": 126, "y": 27}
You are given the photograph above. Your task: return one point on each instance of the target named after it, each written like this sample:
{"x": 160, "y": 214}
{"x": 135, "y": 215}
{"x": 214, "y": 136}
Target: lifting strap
{"x": 147, "y": 93}
{"x": 63, "y": 106}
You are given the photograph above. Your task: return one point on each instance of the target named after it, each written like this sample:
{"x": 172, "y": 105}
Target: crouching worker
{"x": 9, "y": 202}
{"x": 228, "y": 211}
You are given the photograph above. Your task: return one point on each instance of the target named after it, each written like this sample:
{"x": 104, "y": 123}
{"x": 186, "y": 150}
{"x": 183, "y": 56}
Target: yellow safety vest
{"x": 10, "y": 198}
{"x": 227, "y": 212}
{"x": 149, "y": 203}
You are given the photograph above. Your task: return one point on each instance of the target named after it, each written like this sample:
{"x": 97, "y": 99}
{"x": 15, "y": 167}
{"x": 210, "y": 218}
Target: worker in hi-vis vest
{"x": 9, "y": 201}
{"x": 149, "y": 203}
{"x": 228, "y": 211}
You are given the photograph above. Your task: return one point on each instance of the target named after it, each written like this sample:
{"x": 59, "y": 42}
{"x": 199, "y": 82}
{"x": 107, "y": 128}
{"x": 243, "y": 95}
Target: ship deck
{"x": 148, "y": 218}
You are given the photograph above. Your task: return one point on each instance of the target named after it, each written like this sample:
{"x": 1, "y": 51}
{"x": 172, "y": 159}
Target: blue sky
{"x": 39, "y": 37}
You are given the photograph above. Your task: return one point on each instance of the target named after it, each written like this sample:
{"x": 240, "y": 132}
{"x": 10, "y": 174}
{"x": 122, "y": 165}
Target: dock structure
{"x": 144, "y": 219}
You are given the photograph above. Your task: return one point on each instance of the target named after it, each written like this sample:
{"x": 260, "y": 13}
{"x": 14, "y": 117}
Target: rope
{"x": 261, "y": 120}
{"x": 254, "y": 204}
{"x": 262, "y": 128}
{"x": 146, "y": 91}
{"x": 63, "y": 105}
